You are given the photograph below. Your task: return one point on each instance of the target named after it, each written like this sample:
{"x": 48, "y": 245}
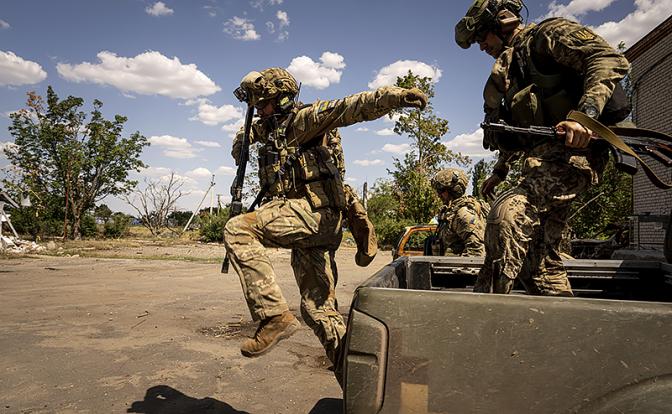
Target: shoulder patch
{"x": 583, "y": 34}
{"x": 325, "y": 105}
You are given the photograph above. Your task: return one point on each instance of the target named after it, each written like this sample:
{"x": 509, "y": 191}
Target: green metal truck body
{"x": 419, "y": 341}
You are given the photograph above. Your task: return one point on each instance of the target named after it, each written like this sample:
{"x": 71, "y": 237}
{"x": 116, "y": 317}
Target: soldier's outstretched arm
{"x": 364, "y": 106}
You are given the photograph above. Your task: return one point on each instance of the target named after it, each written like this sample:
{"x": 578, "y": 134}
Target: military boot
{"x": 269, "y": 332}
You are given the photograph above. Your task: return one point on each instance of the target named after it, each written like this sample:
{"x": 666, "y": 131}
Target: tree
{"x": 411, "y": 174}
{"x": 604, "y": 205}
{"x": 156, "y": 201}
{"x": 102, "y": 212}
{"x": 64, "y": 158}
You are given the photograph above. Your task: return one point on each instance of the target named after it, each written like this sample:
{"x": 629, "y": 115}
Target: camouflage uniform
{"x": 462, "y": 226}
{"x": 547, "y": 70}
{"x": 303, "y": 209}
{"x": 462, "y": 217}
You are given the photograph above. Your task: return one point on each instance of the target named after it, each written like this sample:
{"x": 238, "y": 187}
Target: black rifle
{"x": 237, "y": 185}
{"x": 642, "y": 142}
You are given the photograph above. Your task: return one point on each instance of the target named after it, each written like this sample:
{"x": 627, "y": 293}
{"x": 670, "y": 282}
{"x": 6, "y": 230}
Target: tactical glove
{"x": 415, "y": 98}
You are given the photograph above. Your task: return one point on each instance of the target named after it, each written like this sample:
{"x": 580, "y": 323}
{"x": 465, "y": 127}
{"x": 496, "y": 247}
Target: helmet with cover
{"x": 452, "y": 180}
{"x": 484, "y": 16}
{"x": 275, "y": 84}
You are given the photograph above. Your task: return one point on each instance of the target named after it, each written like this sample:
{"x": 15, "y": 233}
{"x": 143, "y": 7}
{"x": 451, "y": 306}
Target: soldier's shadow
{"x": 162, "y": 399}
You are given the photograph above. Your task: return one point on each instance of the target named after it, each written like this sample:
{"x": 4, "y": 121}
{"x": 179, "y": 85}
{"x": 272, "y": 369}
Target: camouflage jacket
{"x": 462, "y": 226}
{"x": 310, "y": 134}
{"x": 585, "y": 66}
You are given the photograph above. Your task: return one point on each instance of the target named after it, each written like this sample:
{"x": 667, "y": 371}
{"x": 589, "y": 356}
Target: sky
{"x": 170, "y": 67}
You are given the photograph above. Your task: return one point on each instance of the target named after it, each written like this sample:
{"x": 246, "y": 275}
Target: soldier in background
{"x": 541, "y": 72}
{"x": 302, "y": 209}
{"x": 462, "y": 218}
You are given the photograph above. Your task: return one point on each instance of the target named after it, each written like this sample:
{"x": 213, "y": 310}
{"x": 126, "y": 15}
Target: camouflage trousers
{"x": 313, "y": 237}
{"x": 524, "y": 230}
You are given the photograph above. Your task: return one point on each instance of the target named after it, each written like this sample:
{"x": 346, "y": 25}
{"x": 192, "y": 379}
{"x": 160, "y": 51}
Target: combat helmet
{"x": 453, "y": 180}
{"x": 277, "y": 84}
{"x": 484, "y": 16}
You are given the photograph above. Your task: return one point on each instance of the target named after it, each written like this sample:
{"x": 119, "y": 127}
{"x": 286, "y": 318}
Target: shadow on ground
{"x": 162, "y": 399}
{"x": 328, "y": 406}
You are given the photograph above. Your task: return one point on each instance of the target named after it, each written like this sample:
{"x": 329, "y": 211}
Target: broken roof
{"x": 7, "y": 199}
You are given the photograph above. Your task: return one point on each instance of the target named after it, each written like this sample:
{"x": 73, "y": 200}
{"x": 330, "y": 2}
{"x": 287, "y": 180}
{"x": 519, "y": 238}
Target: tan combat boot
{"x": 269, "y": 332}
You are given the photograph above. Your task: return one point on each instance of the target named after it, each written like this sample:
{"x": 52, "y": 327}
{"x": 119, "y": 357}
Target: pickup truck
{"x": 419, "y": 341}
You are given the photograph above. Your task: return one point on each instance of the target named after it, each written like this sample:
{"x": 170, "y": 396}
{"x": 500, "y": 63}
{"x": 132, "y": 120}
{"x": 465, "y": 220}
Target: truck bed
{"x": 420, "y": 342}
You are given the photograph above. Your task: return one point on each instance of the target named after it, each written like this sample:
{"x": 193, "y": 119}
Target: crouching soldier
{"x": 462, "y": 218}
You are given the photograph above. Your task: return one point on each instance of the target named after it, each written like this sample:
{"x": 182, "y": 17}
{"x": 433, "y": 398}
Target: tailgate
{"x": 417, "y": 351}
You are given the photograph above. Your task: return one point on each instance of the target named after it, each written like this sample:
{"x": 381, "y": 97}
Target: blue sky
{"x": 171, "y": 66}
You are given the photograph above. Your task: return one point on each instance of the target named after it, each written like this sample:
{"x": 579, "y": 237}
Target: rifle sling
{"x": 608, "y": 135}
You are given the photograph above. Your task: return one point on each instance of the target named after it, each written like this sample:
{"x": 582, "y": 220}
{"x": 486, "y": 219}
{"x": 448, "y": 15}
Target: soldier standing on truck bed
{"x": 541, "y": 72}
{"x": 462, "y": 217}
{"x": 302, "y": 205}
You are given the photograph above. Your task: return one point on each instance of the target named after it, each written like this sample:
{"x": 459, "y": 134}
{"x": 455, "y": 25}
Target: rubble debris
{"x": 15, "y": 245}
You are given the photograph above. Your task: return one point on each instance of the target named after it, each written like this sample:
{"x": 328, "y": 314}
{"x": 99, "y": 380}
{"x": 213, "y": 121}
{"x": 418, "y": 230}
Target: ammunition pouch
{"x": 321, "y": 181}
{"x": 526, "y": 109}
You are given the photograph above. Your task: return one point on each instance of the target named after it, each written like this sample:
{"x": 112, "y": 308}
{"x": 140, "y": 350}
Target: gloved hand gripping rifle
{"x": 626, "y": 144}
{"x": 237, "y": 185}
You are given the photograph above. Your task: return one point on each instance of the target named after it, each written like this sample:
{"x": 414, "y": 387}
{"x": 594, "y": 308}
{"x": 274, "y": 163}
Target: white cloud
{"x": 241, "y": 28}
{"x": 385, "y": 132}
{"x": 470, "y": 144}
{"x": 209, "y": 144}
{"x": 4, "y": 24}
{"x": 233, "y": 128}
{"x": 174, "y": 147}
{"x": 225, "y": 170}
{"x": 259, "y": 4}
{"x": 391, "y": 118}
{"x": 388, "y": 75}
{"x": 576, "y": 8}
{"x": 16, "y": 71}
{"x": 368, "y": 163}
{"x": 283, "y": 18}
{"x": 159, "y": 9}
{"x": 212, "y": 10}
{"x": 154, "y": 171}
{"x": 199, "y": 172}
{"x": 397, "y": 149}
{"x": 316, "y": 74}
{"x": 362, "y": 129}
{"x": 213, "y": 115}
{"x": 647, "y": 15}
{"x": 283, "y": 23}
{"x": 351, "y": 179}
{"x": 149, "y": 73}
{"x": 9, "y": 146}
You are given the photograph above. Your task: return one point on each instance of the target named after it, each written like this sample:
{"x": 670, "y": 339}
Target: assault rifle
{"x": 633, "y": 143}
{"x": 237, "y": 185}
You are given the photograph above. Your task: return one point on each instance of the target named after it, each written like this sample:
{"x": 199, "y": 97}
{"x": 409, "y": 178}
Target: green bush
{"x": 212, "y": 227}
{"x": 88, "y": 226}
{"x": 390, "y": 230}
{"x": 117, "y": 226}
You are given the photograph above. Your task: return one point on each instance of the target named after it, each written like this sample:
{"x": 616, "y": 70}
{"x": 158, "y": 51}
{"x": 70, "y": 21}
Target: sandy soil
{"x": 114, "y": 335}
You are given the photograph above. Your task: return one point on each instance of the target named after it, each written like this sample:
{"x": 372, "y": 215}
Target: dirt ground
{"x": 154, "y": 335}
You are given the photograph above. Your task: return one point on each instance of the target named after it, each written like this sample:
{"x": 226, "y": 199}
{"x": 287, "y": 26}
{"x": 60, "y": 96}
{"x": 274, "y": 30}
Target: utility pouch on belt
{"x": 321, "y": 180}
{"x": 526, "y": 107}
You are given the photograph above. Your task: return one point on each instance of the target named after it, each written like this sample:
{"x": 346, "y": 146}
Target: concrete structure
{"x": 651, "y": 82}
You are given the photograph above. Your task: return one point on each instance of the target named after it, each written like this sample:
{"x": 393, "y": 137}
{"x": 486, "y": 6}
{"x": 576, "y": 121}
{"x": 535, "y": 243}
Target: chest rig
{"x": 288, "y": 170}
{"x": 540, "y": 93}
